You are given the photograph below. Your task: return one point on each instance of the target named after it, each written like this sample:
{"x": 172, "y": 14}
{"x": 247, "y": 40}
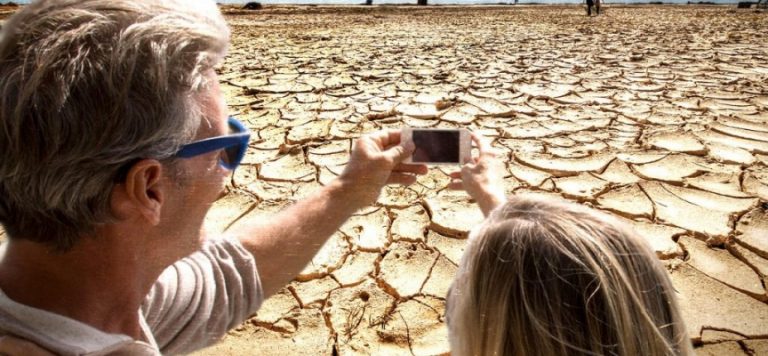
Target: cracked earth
{"x": 657, "y": 115}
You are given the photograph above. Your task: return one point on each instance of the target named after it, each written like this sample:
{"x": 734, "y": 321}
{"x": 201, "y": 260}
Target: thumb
{"x": 468, "y": 169}
{"x": 400, "y": 152}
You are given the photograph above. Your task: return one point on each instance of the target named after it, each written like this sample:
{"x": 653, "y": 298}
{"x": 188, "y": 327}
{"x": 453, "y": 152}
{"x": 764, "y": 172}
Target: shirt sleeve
{"x": 199, "y": 298}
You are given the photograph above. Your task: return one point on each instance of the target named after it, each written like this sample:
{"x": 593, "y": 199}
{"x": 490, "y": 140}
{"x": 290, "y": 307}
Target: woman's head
{"x": 545, "y": 277}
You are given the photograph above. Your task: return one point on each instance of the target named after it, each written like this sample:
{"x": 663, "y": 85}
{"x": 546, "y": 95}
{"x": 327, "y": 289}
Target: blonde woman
{"x": 547, "y": 277}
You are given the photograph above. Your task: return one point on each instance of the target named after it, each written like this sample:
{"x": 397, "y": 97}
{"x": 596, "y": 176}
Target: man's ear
{"x": 142, "y": 193}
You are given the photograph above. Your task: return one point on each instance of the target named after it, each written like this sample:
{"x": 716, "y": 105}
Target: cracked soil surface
{"x": 658, "y": 115}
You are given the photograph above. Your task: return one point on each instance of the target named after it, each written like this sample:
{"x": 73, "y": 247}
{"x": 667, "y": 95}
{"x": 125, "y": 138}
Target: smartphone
{"x": 437, "y": 146}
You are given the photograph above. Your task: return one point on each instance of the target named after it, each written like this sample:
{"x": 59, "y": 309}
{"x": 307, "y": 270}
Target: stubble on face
{"x": 199, "y": 181}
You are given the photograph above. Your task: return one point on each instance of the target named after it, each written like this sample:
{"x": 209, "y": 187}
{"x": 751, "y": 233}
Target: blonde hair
{"x": 545, "y": 277}
{"x": 86, "y": 88}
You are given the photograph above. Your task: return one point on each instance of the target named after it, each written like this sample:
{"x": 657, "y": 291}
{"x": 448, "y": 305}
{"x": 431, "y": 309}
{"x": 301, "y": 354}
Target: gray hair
{"x": 86, "y": 88}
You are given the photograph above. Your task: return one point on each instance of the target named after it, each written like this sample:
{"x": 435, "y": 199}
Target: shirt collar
{"x": 55, "y": 332}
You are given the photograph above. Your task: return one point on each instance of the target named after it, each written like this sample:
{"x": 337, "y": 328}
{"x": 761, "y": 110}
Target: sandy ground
{"x": 658, "y": 115}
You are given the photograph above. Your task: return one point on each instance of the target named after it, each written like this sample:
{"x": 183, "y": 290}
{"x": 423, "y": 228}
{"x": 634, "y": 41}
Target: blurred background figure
{"x": 590, "y": 3}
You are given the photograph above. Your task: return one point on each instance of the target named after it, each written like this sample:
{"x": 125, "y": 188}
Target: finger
{"x": 401, "y": 178}
{"x": 394, "y": 136}
{"x": 470, "y": 166}
{"x": 385, "y": 138}
{"x": 411, "y": 168}
{"x": 476, "y": 138}
{"x": 399, "y": 153}
{"x": 482, "y": 144}
{"x": 455, "y": 185}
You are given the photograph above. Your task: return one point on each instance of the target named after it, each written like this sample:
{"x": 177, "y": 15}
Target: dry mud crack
{"x": 657, "y": 115}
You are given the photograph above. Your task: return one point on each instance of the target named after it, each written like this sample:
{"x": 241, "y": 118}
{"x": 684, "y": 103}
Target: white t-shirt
{"x": 192, "y": 305}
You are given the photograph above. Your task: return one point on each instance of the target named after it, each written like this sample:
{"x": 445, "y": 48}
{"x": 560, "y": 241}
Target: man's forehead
{"x": 213, "y": 108}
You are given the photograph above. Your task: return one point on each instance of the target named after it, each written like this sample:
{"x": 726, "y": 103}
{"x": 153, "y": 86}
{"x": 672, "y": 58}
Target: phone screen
{"x": 438, "y": 146}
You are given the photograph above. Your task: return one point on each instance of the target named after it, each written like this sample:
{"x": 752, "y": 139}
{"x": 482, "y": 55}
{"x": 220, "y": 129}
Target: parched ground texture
{"x": 658, "y": 115}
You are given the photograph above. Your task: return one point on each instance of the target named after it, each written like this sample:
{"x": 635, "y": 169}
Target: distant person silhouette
{"x": 596, "y": 4}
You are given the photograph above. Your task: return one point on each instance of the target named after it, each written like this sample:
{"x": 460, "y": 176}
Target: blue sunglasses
{"x": 234, "y": 145}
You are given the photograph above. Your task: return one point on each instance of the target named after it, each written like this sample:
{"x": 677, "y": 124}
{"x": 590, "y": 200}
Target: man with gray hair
{"x": 116, "y": 142}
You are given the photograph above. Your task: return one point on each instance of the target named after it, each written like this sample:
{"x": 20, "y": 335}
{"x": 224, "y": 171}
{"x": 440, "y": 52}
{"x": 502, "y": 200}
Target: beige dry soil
{"x": 655, "y": 114}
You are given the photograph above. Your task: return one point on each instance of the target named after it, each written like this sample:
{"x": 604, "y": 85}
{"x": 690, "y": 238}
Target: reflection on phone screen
{"x": 438, "y": 146}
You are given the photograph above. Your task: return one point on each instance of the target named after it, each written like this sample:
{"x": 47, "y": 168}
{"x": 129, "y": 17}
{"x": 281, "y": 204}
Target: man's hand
{"x": 376, "y": 160}
{"x": 482, "y": 177}
{"x": 287, "y": 241}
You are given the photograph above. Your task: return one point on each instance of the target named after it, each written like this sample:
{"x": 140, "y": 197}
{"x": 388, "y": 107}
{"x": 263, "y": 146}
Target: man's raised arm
{"x": 286, "y": 242}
